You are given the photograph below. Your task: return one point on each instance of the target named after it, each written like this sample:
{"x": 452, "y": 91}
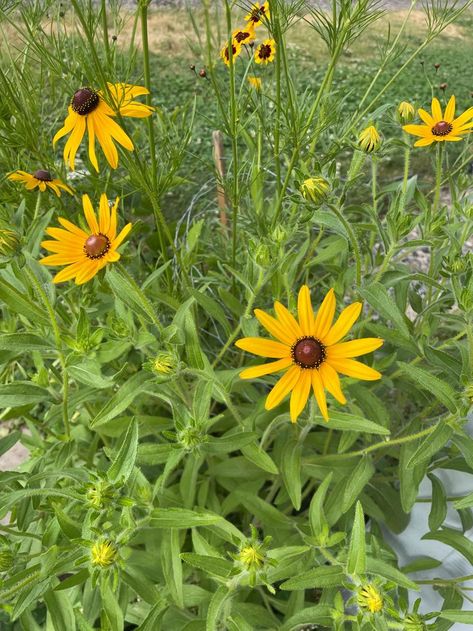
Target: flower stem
{"x": 353, "y": 241}
{"x": 405, "y": 178}
{"x": 105, "y": 29}
{"x": 57, "y": 336}
{"x": 37, "y": 207}
{"x": 147, "y": 76}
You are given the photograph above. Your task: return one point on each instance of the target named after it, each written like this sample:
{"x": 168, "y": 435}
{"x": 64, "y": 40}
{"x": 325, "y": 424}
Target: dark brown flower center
{"x": 85, "y": 101}
{"x": 308, "y": 352}
{"x": 442, "y": 128}
{"x": 257, "y": 13}
{"x": 241, "y": 36}
{"x": 97, "y": 246}
{"x": 264, "y": 51}
{"x": 44, "y": 176}
{"x": 227, "y": 52}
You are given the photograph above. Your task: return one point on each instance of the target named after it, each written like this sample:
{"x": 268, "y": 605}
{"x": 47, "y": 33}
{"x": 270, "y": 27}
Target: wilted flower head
{"x": 369, "y": 598}
{"x": 369, "y": 140}
{"x": 103, "y": 554}
{"x": 315, "y": 189}
{"x": 406, "y": 112}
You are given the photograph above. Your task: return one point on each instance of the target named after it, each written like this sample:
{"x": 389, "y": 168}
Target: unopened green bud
{"x": 10, "y": 243}
{"x": 6, "y": 560}
{"x": 405, "y": 112}
{"x": 369, "y": 140}
{"x": 103, "y": 554}
{"x": 315, "y": 189}
{"x": 279, "y": 234}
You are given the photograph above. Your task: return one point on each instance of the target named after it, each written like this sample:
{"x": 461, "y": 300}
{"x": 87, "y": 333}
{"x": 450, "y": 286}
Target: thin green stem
{"x": 57, "y": 336}
{"x": 106, "y": 42}
{"x": 405, "y": 178}
{"x": 147, "y": 77}
{"x": 353, "y": 241}
{"x": 37, "y": 207}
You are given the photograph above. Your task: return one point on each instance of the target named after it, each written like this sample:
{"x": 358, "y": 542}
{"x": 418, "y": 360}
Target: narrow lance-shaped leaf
{"x": 438, "y": 510}
{"x": 124, "y": 461}
{"x": 291, "y": 470}
{"x": 434, "y": 386}
{"x": 356, "y": 562}
{"x": 317, "y": 520}
{"x": 358, "y": 479}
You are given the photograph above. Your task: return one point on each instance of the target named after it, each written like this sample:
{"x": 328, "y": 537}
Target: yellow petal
{"x": 318, "y": 388}
{"x": 325, "y": 314}
{"x": 436, "y": 110}
{"x": 424, "y": 142}
{"x": 104, "y": 214}
{"x": 72, "y": 228}
{"x": 305, "y": 311}
{"x": 426, "y": 117}
{"x": 74, "y": 140}
{"x": 61, "y": 248}
{"x": 300, "y": 394}
{"x": 88, "y": 270}
{"x": 69, "y": 124}
{"x": 115, "y": 131}
{"x": 352, "y": 368}
{"x": 264, "y": 348}
{"x": 62, "y": 235}
{"x": 68, "y": 272}
{"x": 62, "y": 258}
{"x": 331, "y": 382}
{"x": 274, "y": 327}
{"x": 463, "y": 118}
{"x": 92, "y": 154}
{"x": 345, "y": 321}
{"x": 90, "y": 214}
{"x": 417, "y": 130}
{"x": 116, "y": 242}
{"x": 54, "y": 187}
{"x": 265, "y": 369}
{"x": 112, "y": 256}
{"x": 282, "y": 387}
{"x": 450, "y": 110}
{"x": 106, "y": 142}
{"x": 112, "y": 231}
{"x": 354, "y": 348}
{"x": 287, "y": 320}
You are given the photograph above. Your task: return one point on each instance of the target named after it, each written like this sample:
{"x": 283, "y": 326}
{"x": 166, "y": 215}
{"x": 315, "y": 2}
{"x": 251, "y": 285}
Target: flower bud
{"x": 414, "y": 622}
{"x": 6, "y": 560}
{"x": 369, "y": 599}
{"x": 163, "y": 364}
{"x": 103, "y": 554}
{"x": 10, "y": 244}
{"x": 443, "y": 86}
{"x": 406, "y": 112}
{"x": 202, "y": 73}
{"x": 369, "y": 140}
{"x": 315, "y": 189}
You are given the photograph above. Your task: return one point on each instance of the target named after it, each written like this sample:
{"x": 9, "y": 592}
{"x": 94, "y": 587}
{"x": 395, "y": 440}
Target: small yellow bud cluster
{"x": 103, "y": 554}
{"x": 315, "y": 189}
{"x": 369, "y": 598}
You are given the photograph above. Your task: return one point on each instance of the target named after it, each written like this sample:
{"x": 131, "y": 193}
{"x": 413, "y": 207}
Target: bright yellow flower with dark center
{"x": 370, "y": 599}
{"x": 310, "y": 352}
{"x": 85, "y": 252}
{"x": 258, "y": 13}
{"x": 41, "y": 179}
{"x": 369, "y": 140}
{"x": 441, "y": 126}
{"x": 225, "y": 52}
{"x": 265, "y": 52}
{"x": 89, "y": 112}
{"x": 244, "y": 35}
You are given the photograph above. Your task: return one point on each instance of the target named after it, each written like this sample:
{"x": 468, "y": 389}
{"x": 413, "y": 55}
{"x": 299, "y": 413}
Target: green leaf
{"x": 24, "y": 342}
{"x": 321, "y": 613}
{"x": 352, "y": 423}
{"x": 124, "y": 461}
{"x": 60, "y": 609}
{"x": 465, "y": 502}
{"x": 324, "y": 576}
{"x": 455, "y": 540}
{"x": 123, "y": 398}
{"x": 291, "y": 470}
{"x": 21, "y": 303}
{"x": 151, "y": 622}
{"x": 130, "y": 294}
{"x": 357, "y": 481}
{"x": 431, "y": 445}
{"x": 111, "y": 607}
{"x": 317, "y": 520}
{"x": 377, "y": 296}
{"x": 172, "y": 565}
{"x": 438, "y": 510}
{"x": 181, "y": 518}
{"x": 457, "y": 616}
{"x": 465, "y": 445}
{"x": 7, "y": 442}
{"x": 260, "y": 458}
{"x": 72, "y": 581}
{"x": 380, "y": 568}
{"x": 212, "y": 565}
{"x": 356, "y": 562}
{"x": 227, "y": 443}
{"x": 18, "y": 393}
{"x": 215, "y": 608}
{"x": 212, "y": 308}
{"x": 434, "y": 386}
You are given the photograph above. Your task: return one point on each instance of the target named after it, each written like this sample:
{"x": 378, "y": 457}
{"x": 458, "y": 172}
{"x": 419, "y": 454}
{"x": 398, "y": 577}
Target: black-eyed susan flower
{"x": 225, "y": 52}
{"x": 406, "y": 112}
{"x": 85, "y": 252}
{"x": 255, "y": 82}
{"x": 441, "y": 126}
{"x": 89, "y": 112}
{"x": 310, "y": 352}
{"x": 369, "y": 140}
{"x": 244, "y": 35}
{"x": 265, "y": 52}
{"x": 41, "y": 179}
{"x": 258, "y": 13}
{"x": 369, "y": 598}
{"x": 103, "y": 554}
{"x": 315, "y": 189}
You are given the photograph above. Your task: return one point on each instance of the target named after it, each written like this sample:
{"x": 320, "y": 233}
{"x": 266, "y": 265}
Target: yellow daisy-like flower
{"x": 244, "y": 35}
{"x": 369, "y": 140}
{"x": 440, "y": 126}
{"x": 265, "y": 52}
{"x": 370, "y": 599}
{"x": 85, "y": 252}
{"x": 258, "y": 13}
{"x": 41, "y": 179}
{"x": 225, "y": 52}
{"x": 310, "y": 352}
{"x": 89, "y": 112}
{"x": 255, "y": 82}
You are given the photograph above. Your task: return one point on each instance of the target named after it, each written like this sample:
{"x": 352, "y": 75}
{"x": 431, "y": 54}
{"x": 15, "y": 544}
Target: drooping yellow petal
{"x": 263, "y": 347}
{"x": 282, "y": 387}
{"x": 305, "y": 311}
{"x": 345, "y": 321}
{"x": 325, "y": 315}
{"x": 90, "y": 214}
{"x": 354, "y": 348}
{"x": 69, "y": 125}
{"x": 318, "y": 388}
{"x": 300, "y": 394}
{"x": 88, "y": 271}
{"x": 450, "y": 110}
{"x": 106, "y": 142}
{"x": 436, "y": 110}
{"x": 104, "y": 214}
{"x": 331, "y": 382}
{"x": 112, "y": 256}
{"x": 31, "y": 184}
{"x": 353, "y": 368}
{"x": 72, "y": 145}
{"x": 91, "y": 131}
{"x": 265, "y": 369}
{"x": 287, "y": 320}
{"x": 115, "y": 131}
{"x": 274, "y": 327}
{"x": 54, "y": 188}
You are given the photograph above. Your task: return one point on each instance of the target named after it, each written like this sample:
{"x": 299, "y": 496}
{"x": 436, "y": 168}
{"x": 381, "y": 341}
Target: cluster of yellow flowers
{"x": 245, "y": 36}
